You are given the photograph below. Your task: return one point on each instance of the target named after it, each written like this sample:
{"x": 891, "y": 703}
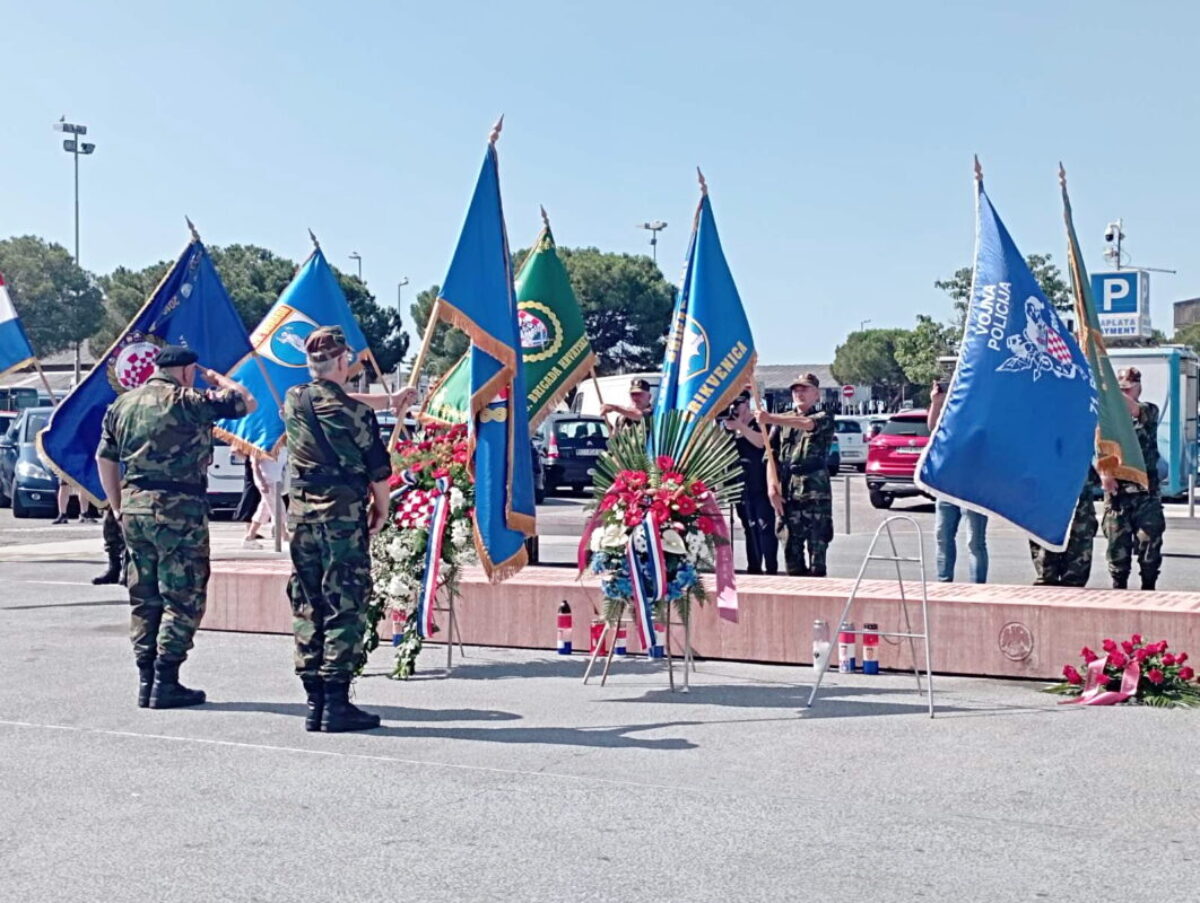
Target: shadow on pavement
{"x": 387, "y": 712}
{"x": 608, "y": 737}
{"x": 499, "y": 670}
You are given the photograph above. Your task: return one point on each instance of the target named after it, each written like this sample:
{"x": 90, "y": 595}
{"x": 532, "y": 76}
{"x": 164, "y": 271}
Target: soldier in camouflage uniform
{"x": 162, "y": 433}
{"x": 1133, "y": 516}
{"x": 338, "y": 464}
{"x": 1073, "y": 566}
{"x": 801, "y": 442}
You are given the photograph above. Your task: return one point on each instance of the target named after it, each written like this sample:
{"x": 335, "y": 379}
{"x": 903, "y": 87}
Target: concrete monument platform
{"x": 987, "y": 630}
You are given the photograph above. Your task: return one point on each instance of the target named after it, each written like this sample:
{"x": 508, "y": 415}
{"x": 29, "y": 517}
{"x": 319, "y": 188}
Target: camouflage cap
{"x": 175, "y": 356}
{"x": 639, "y": 385}
{"x": 325, "y": 343}
{"x": 806, "y": 379}
{"x": 1129, "y": 376}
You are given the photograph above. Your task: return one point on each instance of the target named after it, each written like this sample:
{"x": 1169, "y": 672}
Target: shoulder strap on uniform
{"x": 314, "y": 424}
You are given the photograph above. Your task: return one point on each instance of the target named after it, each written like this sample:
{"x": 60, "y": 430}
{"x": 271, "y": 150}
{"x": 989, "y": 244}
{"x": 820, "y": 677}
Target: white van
{"x": 852, "y": 439}
{"x": 614, "y": 389}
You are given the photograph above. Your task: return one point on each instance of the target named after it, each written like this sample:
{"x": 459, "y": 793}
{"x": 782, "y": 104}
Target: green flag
{"x": 450, "y": 400}
{"x": 1117, "y": 450}
{"x": 555, "y": 350}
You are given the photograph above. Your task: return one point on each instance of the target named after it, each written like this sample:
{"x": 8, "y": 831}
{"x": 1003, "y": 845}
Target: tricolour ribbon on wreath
{"x": 648, "y": 578}
{"x": 439, "y": 517}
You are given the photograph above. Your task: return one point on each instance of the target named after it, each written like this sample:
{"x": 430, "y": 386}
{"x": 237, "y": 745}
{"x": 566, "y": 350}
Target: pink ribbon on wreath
{"x": 1093, "y": 688}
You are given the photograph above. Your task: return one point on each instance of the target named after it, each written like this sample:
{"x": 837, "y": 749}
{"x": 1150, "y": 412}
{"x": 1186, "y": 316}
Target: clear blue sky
{"x": 836, "y": 138}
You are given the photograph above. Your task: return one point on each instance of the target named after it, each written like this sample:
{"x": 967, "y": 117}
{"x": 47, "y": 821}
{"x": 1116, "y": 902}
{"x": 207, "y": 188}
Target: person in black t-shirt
{"x": 754, "y": 510}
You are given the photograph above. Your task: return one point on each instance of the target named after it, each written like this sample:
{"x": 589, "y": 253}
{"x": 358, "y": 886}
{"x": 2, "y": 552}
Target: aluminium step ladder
{"x": 908, "y": 632}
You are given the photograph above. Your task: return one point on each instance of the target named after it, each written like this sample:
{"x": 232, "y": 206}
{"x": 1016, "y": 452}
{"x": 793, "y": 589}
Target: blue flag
{"x": 313, "y": 298}
{"x": 1019, "y": 428}
{"x": 477, "y": 296}
{"x": 15, "y": 350}
{"x": 710, "y": 351}
{"x": 189, "y": 307}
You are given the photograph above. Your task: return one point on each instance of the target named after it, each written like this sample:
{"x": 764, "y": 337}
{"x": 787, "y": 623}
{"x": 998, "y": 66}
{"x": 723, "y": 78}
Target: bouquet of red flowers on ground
{"x": 1163, "y": 677}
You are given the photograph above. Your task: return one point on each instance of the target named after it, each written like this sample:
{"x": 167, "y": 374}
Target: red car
{"x": 892, "y": 457}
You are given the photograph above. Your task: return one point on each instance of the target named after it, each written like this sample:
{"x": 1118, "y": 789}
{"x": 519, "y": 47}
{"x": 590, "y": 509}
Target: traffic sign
{"x": 847, "y": 391}
{"x": 1123, "y": 302}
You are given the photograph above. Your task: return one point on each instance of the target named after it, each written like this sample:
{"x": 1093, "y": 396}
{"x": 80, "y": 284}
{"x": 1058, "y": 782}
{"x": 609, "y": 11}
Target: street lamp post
{"x": 653, "y": 227}
{"x": 862, "y": 325}
{"x": 74, "y": 146}
{"x": 357, "y": 258}
{"x": 400, "y": 312}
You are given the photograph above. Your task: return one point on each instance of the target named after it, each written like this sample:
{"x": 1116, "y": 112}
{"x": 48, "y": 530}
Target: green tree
{"x": 868, "y": 358}
{"x": 58, "y": 301}
{"x": 1047, "y": 273}
{"x": 254, "y": 277}
{"x": 626, "y": 305}
{"x": 1188, "y": 335}
{"x": 918, "y": 349}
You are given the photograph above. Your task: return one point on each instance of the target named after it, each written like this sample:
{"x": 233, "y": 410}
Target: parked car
{"x": 18, "y": 398}
{"x": 26, "y": 483}
{"x": 834, "y": 458}
{"x": 226, "y": 476}
{"x": 892, "y": 458}
{"x": 569, "y": 445}
{"x": 852, "y": 441}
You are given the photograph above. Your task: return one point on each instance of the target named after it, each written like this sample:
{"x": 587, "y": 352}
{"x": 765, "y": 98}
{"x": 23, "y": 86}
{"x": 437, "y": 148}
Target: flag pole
{"x": 768, "y": 451}
{"x": 37, "y": 365}
{"x": 419, "y": 364}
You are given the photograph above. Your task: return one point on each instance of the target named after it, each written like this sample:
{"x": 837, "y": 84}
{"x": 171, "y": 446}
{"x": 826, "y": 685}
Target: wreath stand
{"x": 452, "y": 631}
{"x": 609, "y": 633}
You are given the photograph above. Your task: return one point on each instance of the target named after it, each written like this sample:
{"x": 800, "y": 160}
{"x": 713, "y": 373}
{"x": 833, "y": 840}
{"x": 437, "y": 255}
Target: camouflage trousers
{"x": 1134, "y": 525}
{"x": 807, "y": 529}
{"x": 1073, "y": 566}
{"x": 329, "y": 589}
{"x": 168, "y": 583}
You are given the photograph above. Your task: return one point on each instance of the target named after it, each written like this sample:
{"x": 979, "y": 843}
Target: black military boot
{"x": 112, "y": 575}
{"x": 1149, "y": 583}
{"x": 340, "y": 714}
{"x": 315, "y": 688}
{"x": 1120, "y": 582}
{"x": 168, "y": 692}
{"x": 145, "y": 682}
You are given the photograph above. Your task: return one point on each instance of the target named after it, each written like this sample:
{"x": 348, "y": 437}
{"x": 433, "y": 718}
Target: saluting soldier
{"x": 801, "y": 441}
{"x": 1133, "y": 515}
{"x": 162, "y": 433}
{"x": 639, "y": 409}
{"x": 339, "y": 496}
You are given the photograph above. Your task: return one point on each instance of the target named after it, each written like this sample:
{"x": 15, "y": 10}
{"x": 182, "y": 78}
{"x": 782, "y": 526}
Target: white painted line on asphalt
{"x": 235, "y": 744}
{"x": 53, "y": 582}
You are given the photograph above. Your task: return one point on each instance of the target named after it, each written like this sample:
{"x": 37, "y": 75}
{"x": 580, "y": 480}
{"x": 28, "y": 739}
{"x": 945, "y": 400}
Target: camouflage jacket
{"x": 803, "y": 455}
{"x": 335, "y": 490}
{"x": 162, "y": 433}
{"x": 1145, "y": 424}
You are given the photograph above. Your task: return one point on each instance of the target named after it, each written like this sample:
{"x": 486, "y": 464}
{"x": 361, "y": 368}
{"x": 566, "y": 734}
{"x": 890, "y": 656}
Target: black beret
{"x": 175, "y": 356}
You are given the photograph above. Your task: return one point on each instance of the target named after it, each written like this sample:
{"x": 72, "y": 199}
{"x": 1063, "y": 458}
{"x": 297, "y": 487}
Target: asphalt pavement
{"x": 511, "y": 780}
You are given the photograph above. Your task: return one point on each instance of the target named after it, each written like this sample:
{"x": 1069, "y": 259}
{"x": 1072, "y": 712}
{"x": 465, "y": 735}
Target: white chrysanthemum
{"x": 395, "y": 587}
{"x": 457, "y": 500}
{"x": 460, "y": 533}
{"x": 639, "y": 542}
{"x": 697, "y": 546}
{"x": 397, "y": 548}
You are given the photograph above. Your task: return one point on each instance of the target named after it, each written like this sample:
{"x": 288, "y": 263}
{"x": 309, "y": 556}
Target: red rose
{"x": 417, "y": 466}
{"x": 1168, "y": 659}
{"x": 706, "y": 525}
{"x": 1155, "y": 675}
{"x": 664, "y": 462}
{"x": 1072, "y": 676}
{"x": 394, "y": 481}
{"x": 1141, "y": 655}
{"x": 1117, "y": 659}
{"x": 1186, "y": 673}
{"x": 441, "y": 472}
{"x": 1162, "y": 645}
{"x": 1128, "y": 647}
{"x": 1088, "y": 655}
{"x": 1181, "y": 658}
{"x": 1137, "y": 639}
{"x": 1108, "y": 646}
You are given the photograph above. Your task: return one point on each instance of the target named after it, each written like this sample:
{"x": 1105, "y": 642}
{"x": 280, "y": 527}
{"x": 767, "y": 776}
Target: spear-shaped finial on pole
{"x": 495, "y": 135}
{"x": 1062, "y": 176}
{"x": 316, "y": 244}
{"x": 978, "y": 170}
{"x": 192, "y": 228}
{"x": 545, "y": 218}
{"x": 703, "y": 184}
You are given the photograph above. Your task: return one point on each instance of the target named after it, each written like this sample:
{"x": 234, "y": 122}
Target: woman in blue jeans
{"x": 949, "y": 515}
